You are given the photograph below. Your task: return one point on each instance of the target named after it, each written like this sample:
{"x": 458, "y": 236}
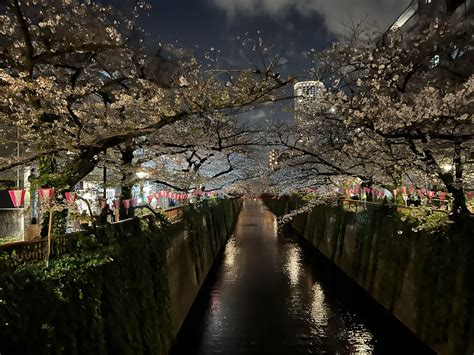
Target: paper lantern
{"x": 430, "y": 194}
{"x": 70, "y": 197}
{"x": 134, "y": 202}
{"x": 404, "y": 189}
{"x": 46, "y": 193}
{"x": 149, "y": 199}
{"x": 126, "y": 204}
{"x": 17, "y": 197}
{"x": 442, "y": 195}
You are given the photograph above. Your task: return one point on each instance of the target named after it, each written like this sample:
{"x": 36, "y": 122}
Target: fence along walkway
{"x": 32, "y": 251}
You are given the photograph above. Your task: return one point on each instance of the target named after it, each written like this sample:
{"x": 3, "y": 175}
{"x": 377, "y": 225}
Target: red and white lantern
{"x": 134, "y": 202}
{"x": 430, "y": 194}
{"x": 70, "y": 197}
{"x": 126, "y": 204}
{"x": 149, "y": 198}
{"x": 46, "y": 194}
{"x": 17, "y": 197}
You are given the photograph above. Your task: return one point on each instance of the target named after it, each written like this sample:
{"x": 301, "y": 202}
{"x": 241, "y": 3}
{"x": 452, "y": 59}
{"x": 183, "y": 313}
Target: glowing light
{"x": 142, "y": 174}
{"x": 447, "y": 167}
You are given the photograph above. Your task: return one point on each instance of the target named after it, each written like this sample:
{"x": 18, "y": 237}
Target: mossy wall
{"x": 426, "y": 280}
{"x": 127, "y": 292}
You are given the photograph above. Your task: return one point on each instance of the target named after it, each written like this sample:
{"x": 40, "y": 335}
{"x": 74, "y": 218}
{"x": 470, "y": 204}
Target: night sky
{"x": 293, "y": 26}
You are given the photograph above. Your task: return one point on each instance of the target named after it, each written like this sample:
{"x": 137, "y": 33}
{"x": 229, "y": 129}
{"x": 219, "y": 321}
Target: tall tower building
{"x": 305, "y": 95}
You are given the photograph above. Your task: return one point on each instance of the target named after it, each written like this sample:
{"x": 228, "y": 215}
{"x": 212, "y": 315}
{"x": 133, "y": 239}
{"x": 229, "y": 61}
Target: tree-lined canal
{"x": 272, "y": 295}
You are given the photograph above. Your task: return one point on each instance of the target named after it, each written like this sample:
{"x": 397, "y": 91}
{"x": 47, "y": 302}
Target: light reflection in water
{"x": 319, "y": 309}
{"x": 293, "y": 264}
{"x": 230, "y": 254}
{"x": 360, "y": 339}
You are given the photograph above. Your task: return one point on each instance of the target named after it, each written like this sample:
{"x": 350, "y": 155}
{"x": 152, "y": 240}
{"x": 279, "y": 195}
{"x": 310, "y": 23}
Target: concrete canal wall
{"x": 126, "y": 291}
{"x": 425, "y": 280}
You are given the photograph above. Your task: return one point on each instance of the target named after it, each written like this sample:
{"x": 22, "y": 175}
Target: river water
{"x": 272, "y": 294}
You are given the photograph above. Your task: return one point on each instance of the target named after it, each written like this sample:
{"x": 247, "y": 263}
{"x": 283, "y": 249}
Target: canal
{"x": 272, "y": 294}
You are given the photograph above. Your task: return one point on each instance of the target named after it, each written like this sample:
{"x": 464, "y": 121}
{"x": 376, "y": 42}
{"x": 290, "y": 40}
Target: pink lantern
{"x": 149, "y": 199}
{"x": 442, "y": 195}
{"x": 134, "y": 202}
{"x": 395, "y": 192}
{"x": 412, "y": 189}
{"x": 420, "y": 193}
{"x": 126, "y": 204}
{"x": 470, "y": 195}
{"x": 430, "y": 194}
{"x": 46, "y": 193}
{"x": 404, "y": 189}
{"x": 17, "y": 197}
{"x": 156, "y": 196}
{"x": 70, "y": 197}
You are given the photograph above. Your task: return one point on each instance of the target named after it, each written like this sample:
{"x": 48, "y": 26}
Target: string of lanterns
{"x": 17, "y": 197}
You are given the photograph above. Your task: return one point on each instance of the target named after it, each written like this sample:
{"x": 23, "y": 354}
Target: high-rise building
{"x": 305, "y": 93}
{"x": 272, "y": 159}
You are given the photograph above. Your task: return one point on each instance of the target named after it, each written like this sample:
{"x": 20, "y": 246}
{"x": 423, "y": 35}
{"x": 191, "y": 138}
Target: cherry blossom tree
{"x": 391, "y": 108}
{"x": 74, "y": 82}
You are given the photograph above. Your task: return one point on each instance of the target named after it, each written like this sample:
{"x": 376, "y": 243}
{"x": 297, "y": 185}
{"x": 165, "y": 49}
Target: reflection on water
{"x": 319, "y": 313}
{"x": 292, "y": 265}
{"x": 360, "y": 340}
{"x": 270, "y": 296}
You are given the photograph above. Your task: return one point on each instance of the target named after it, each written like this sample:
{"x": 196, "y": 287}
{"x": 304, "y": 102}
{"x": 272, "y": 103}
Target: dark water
{"x": 272, "y": 295}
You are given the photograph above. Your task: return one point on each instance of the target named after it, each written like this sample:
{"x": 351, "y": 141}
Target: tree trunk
{"x": 127, "y": 180}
